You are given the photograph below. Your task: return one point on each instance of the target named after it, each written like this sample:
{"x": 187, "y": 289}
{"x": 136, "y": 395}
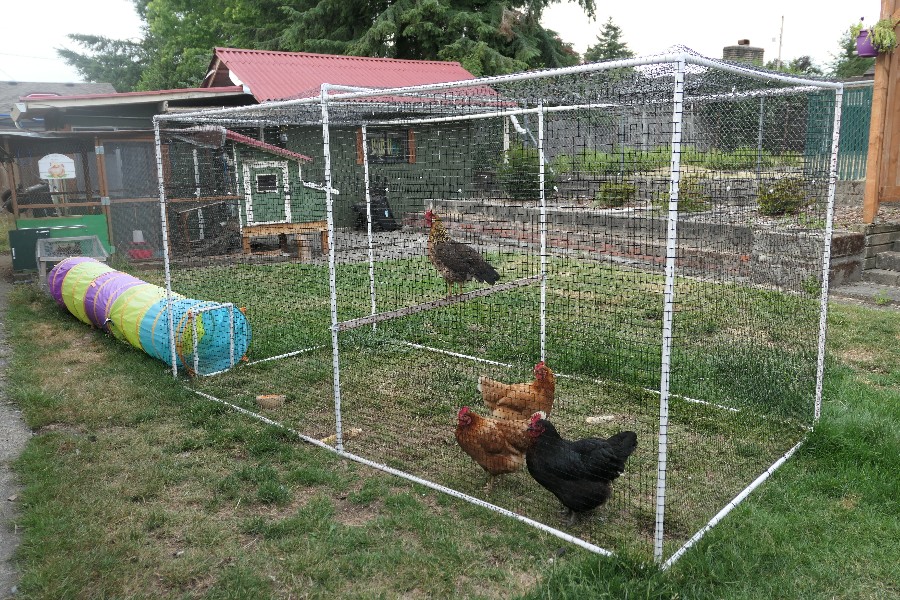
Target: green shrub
{"x": 520, "y": 174}
{"x": 563, "y": 163}
{"x": 631, "y": 160}
{"x": 692, "y": 195}
{"x": 622, "y": 161}
{"x": 785, "y": 196}
{"x": 613, "y": 194}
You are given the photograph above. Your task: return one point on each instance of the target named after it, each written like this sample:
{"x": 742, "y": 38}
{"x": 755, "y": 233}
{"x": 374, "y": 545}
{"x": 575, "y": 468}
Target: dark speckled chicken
{"x": 456, "y": 262}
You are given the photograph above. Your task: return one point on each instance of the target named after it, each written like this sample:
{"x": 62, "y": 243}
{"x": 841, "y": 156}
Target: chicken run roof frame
{"x": 494, "y": 113}
{"x": 351, "y": 93}
{"x": 256, "y": 114}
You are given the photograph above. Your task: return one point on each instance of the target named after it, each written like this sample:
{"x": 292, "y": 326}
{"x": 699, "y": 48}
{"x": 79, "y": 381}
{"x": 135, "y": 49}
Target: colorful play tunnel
{"x": 209, "y": 336}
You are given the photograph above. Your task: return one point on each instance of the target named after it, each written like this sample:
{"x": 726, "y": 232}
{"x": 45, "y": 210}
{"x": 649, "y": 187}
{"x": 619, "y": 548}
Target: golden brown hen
{"x": 456, "y": 262}
{"x": 520, "y": 400}
{"x": 498, "y": 445}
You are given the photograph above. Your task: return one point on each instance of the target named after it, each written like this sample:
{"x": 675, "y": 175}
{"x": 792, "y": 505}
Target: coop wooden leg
{"x": 245, "y": 242}
{"x": 324, "y": 234}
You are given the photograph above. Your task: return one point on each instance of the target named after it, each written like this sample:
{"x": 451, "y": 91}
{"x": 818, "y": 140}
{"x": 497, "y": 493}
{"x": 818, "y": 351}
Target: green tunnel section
{"x": 209, "y": 336}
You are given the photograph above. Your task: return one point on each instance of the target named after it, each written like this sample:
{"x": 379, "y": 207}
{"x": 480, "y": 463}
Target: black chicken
{"x": 579, "y": 473}
{"x": 382, "y": 216}
{"x": 456, "y": 262}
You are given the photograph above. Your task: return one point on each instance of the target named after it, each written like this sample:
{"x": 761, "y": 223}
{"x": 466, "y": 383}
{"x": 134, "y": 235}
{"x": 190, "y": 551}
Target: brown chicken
{"x": 456, "y": 262}
{"x": 498, "y": 445}
{"x": 520, "y": 400}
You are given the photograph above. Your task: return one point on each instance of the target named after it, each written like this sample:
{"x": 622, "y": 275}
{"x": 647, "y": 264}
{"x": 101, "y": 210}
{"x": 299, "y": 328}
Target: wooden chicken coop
{"x": 654, "y": 230}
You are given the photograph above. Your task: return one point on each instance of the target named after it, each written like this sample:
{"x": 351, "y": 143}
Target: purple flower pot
{"x": 864, "y": 47}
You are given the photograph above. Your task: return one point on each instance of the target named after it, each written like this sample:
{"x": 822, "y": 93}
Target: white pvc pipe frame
{"x": 681, "y": 61}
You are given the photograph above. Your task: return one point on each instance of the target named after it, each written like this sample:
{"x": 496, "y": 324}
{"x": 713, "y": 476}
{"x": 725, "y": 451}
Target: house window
{"x": 267, "y": 183}
{"x": 388, "y": 146}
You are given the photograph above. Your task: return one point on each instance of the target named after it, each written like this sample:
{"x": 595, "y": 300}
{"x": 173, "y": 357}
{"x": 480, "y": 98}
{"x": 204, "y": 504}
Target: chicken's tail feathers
{"x": 485, "y": 273}
{"x": 625, "y": 442}
{"x": 490, "y": 386}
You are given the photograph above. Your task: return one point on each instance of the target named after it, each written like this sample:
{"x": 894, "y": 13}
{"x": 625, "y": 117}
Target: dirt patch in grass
{"x": 857, "y": 356}
{"x": 64, "y": 428}
{"x": 354, "y": 515}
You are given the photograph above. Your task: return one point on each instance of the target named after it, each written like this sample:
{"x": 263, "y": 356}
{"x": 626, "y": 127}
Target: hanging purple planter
{"x": 864, "y": 47}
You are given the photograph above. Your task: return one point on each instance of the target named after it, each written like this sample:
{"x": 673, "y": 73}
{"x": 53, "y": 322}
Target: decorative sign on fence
{"x": 56, "y": 166}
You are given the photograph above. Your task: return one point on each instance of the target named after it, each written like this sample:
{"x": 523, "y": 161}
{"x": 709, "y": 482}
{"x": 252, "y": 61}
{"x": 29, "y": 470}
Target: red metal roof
{"x": 177, "y": 92}
{"x": 287, "y": 75}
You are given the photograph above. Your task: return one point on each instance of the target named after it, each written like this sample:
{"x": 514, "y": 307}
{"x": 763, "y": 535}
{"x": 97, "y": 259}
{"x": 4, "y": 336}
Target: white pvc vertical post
{"x": 163, "y": 220}
{"x": 759, "y": 136}
{"x": 365, "y": 153}
{"x": 668, "y": 310}
{"x": 826, "y": 250}
{"x": 231, "y": 334}
{"x": 193, "y": 319}
{"x": 332, "y": 278}
{"x": 543, "y": 229}
{"x": 196, "y": 174}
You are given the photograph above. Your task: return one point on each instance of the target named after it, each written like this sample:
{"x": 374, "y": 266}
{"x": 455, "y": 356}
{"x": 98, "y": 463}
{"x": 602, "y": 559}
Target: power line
{"x": 28, "y": 56}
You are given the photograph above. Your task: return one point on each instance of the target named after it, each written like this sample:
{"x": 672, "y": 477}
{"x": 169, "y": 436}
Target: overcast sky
{"x": 811, "y": 27}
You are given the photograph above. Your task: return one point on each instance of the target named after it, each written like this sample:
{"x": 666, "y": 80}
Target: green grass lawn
{"x": 136, "y": 487}
{"x": 735, "y": 346}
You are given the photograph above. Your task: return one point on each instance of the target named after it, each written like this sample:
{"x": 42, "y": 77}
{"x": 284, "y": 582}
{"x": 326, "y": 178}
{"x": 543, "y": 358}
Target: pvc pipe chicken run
{"x": 209, "y": 337}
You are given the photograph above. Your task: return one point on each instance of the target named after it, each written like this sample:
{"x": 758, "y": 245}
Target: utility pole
{"x": 780, "y": 38}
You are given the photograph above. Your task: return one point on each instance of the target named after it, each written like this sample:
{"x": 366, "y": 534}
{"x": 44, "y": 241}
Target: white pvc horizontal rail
{"x": 429, "y": 484}
{"x": 458, "y": 355}
{"x": 731, "y": 506}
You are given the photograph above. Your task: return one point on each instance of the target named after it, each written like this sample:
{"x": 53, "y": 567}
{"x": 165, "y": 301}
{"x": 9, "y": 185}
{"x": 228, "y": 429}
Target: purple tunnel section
{"x": 103, "y": 292}
{"x": 55, "y": 279}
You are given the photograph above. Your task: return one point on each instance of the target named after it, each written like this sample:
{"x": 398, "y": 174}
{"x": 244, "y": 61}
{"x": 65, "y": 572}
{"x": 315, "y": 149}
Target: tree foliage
{"x": 802, "y": 65}
{"x": 846, "y": 63}
{"x": 609, "y": 44}
{"x": 487, "y": 36}
{"x": 120, "y": 62}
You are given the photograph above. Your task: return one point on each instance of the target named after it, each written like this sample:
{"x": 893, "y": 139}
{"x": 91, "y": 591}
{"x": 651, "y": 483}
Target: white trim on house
{"x": 248, "y": 189}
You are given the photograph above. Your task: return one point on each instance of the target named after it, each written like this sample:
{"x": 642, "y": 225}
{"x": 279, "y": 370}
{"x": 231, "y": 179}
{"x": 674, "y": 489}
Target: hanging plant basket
{"x": 864, "y": 47}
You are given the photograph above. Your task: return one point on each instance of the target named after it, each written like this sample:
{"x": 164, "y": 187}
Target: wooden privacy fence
{"x": 883, "y": 166}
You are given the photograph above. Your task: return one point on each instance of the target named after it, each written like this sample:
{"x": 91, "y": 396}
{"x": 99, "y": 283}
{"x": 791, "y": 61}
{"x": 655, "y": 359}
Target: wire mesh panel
{"x": 635, "y": 249}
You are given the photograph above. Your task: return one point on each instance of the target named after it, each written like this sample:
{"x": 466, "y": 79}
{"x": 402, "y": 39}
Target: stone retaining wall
{"x": 785, "y": 259}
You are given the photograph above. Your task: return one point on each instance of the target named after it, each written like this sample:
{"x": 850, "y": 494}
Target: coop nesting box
{"x": 50, "y": 251}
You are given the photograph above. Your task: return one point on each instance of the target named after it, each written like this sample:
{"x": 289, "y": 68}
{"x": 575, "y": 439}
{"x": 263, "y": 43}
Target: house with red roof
{"x": 234, "y": 178}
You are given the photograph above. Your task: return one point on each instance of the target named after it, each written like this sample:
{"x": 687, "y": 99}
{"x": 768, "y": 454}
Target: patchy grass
{"x": 755, "y": 353}
{"x": 135, "y": 487}
{"x": 7, "y": 222}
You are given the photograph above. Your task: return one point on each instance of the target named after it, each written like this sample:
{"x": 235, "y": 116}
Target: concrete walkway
{"x": 873, "y": 295}
{"x": 14, "y": 434}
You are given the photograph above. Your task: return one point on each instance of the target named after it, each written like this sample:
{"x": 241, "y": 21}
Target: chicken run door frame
{"x": 681, "y": 61}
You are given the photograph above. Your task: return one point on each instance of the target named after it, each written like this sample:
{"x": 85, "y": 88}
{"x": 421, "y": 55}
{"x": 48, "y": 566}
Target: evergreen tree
{"x": 487, "y": 36}
{"x": 609, "y": 44}
{"x": 118, "y": 62}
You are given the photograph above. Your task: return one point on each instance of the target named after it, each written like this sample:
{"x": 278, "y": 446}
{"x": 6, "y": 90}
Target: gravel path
{"x": 13, "y": 436}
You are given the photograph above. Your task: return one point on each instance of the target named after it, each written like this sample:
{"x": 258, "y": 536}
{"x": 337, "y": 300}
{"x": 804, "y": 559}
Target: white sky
{"x": 30, "y": 36}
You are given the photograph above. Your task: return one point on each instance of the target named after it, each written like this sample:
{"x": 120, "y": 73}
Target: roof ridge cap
{"x": 340, "y": 56}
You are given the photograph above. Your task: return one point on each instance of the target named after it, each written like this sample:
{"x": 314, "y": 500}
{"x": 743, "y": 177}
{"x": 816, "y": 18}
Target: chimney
{"x": 744, "y": 53}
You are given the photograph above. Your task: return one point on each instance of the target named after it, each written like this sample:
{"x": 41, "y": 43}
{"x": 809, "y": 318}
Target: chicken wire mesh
{"x": 109, "y": 190}
{"x": 655, "y": 231}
